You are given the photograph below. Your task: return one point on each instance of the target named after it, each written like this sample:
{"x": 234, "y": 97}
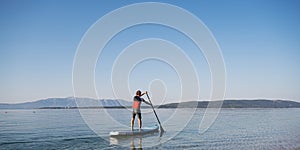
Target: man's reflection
{"x": 139, "y": 144}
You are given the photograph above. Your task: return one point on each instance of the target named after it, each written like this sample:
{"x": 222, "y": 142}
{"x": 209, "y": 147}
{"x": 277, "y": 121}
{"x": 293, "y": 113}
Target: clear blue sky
{"x": 259, "y": 42}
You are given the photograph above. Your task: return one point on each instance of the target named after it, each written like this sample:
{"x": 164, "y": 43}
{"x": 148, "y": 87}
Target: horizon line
{"x": 271, "y": 99}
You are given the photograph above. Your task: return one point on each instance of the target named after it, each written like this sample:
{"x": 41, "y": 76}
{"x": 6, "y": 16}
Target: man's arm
{"x": 144, "y": 99}
{"x": 147, "y": 102}
{"x": 144, "y": 93}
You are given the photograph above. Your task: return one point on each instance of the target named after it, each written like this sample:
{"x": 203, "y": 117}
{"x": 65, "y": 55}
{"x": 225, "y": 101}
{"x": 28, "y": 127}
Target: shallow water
{"x": 66, "y": 129}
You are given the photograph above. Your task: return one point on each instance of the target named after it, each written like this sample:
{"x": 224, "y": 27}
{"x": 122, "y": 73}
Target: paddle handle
{"x": 153, "y": 110}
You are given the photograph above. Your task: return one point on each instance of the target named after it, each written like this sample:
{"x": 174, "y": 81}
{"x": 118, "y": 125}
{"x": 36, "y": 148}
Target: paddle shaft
{"x": 154, "y": 111}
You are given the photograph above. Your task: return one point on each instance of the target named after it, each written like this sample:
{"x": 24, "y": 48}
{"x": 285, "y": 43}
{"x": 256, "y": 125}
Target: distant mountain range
{"x": 62, "y": 103}
{"x": 237, "y": 104}
{"x": 69, "y": 102}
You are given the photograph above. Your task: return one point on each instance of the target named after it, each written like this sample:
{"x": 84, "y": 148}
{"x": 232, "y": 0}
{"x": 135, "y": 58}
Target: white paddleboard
{"x": 143, "y": 131}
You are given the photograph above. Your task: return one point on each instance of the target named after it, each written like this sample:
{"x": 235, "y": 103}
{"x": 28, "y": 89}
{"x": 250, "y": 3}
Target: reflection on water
{"x": 139, "y": 144}
{"x": 135, "y": 142}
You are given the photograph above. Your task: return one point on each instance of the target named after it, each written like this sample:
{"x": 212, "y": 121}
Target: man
{"x": 136, "y": 108}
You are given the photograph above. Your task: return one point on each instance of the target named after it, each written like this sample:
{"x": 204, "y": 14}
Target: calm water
{"x": 233, "y": 129}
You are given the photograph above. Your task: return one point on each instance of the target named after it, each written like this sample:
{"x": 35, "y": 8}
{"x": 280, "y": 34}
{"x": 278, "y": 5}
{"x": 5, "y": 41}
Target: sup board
{"x": 143, "y": 131}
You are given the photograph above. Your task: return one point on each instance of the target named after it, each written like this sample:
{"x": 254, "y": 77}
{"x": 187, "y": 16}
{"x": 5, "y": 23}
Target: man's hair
{"x": 138, "y": 92}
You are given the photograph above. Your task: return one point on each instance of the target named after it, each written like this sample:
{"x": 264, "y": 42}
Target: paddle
{"x": 160, "y": 127}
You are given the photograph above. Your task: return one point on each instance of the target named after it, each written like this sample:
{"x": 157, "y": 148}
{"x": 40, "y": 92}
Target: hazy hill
{"x": 238, "y": 104}
{"x": 67, "y": 103}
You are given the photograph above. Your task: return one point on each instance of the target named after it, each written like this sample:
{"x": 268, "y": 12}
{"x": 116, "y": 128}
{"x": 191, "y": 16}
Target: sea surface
{"x": 88, "y": 129}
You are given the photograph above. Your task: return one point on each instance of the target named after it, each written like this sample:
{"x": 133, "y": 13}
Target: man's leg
{"x": 140, "y": 120}
{"x": 132, "y": 120}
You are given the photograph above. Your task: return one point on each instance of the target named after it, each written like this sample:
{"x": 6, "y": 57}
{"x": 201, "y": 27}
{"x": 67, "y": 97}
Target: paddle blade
{"x": 161, "y": 131}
